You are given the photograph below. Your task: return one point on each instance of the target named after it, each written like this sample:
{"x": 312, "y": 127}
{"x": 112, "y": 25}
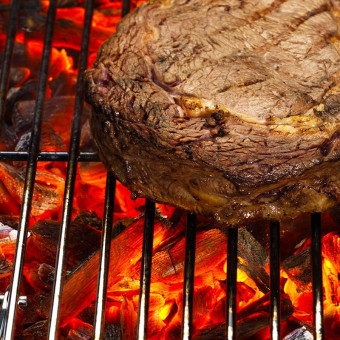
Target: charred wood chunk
{"x": 298, "y": 268}
{"x": 37, "y": 331}
{"x": 84, "y": 240}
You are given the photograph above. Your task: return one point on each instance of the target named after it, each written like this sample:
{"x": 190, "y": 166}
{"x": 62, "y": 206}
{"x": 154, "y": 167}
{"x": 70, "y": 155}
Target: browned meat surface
{"x": 227, "y": 108}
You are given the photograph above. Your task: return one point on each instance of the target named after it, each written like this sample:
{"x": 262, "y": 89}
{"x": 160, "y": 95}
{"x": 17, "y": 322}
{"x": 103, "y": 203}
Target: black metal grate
{"x": 72, "y": 157}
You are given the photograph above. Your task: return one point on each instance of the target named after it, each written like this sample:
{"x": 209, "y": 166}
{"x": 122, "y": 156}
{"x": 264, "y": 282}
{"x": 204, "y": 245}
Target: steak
{"x": 228, "y": 108}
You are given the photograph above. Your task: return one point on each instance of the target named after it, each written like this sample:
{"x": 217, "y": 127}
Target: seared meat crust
{"x": 228, "y": 108}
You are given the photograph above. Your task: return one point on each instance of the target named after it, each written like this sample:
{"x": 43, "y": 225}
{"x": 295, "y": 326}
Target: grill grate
{"x": 72, "y": 157}
{"x": 145, "y": 278}
{"x": 48, "y": 156}
{"x": 231, "y": 284}
{"x": 98, "y": 329}
{"x": 30, "y": 174}
{"x": 70, "y": 178}
{"x": 317, "y": 277}
{"x": 275, "y": 280}
{"x": 189, "y": 272}
{"x": 6, "y": 64}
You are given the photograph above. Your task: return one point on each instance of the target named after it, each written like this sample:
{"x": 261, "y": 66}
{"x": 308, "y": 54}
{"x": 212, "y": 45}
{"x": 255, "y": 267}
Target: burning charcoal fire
{"x": 87, "y": 218}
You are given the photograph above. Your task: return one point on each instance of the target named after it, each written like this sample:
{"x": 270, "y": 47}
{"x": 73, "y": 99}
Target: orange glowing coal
{"x": 79, "y": 293}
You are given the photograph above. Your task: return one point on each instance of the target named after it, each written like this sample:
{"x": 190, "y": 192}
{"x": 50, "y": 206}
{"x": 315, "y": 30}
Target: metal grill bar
{"x": 99, "y": 320}
{"x": 275, "y": 280}
{"x": 231, "y": 284}
{"x": 48, "y": 156}
{"x": 30, "y": 174}
{"x": 8, "y": 54}
{"x": 126, "y": 7}
{"x": 317, "y": 276}
{"x": 98, "y": 329}
{"x": 189, "y": 276}
{"x": 145, "y": 278}
{"x": 70, "y": 177}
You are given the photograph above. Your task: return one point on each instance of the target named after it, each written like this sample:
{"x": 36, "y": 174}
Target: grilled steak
{"x": 229, "y": 108}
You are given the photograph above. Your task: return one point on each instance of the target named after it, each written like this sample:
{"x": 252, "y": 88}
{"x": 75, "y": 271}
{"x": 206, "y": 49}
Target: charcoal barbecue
{"x": 12, "y": 297}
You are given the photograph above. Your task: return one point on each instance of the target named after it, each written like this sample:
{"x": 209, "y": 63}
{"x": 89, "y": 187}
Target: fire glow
{"x": 79, "y": 292}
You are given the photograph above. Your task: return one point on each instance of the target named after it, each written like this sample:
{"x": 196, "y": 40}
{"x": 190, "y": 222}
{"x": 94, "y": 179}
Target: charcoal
{"x": 292, "y": 233}
{"x": 335, "y": 213}
{"x": 8, "y": 138}
{"x": 7, "y": 233}
{"x": 176, "y": 216}
{"x": 30, "y": 314}
{"x": 63, "y": 84}
{"x": 255, "y": 258}
{"x": 87, "y": 314}
{"x": 27, "y": 91}
{"x": 67, "y": 3}
{"x": 57, "y": 111}
{"x": 22, "y": 118}
{"x": 37, "y": 331}
{"x": 83, "y": 241}
{"x": 49, "y": 141}
{"x": 250, "y": 320}
{"x": 11, "y": 221}
{"x": 37, "y": 276}
{"x": 80, "y": 331}
{"x": 86, "y": 139}
{"x": 23, "y": 142}
{"x": 80, "y": 286}
{"x": 20, "y": 53}
{"x": 46, "y": 274}
{"x": 78, "y": 335}
{"x": 112, "y": 332}
{"x": 7, "y": 240}
{"x": 298, "y": 268}
{"x": 18, "y": 75}
{"x": 128, "y": 317}
{"x": 47, "y": 194}
{"x": 68, "y": 32}
{"x": 5, "y": 273}
{"x": 299, "y": 334}
{"x": 168, "y": 263}
{"x": 89, "y": 218}
{"x": 331, "y": 266}
{"x": 5, "y": 267}
{"x": 331, "y": 248}
{"x": 93, "y": 173}
{"x": 43, "y": 242}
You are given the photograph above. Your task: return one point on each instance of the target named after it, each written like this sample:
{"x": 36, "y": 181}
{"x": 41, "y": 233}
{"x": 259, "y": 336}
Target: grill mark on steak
{"x": 256, "y": 15}
{"x": 299, "y": 21}
{"x": 309, "y": 14}
{"x": 328, "y": 144}
{"x": 246, "y": 83}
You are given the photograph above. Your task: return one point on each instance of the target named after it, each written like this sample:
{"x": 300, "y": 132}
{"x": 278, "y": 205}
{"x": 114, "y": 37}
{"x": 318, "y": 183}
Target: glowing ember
{"x": 165, "y": 310}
